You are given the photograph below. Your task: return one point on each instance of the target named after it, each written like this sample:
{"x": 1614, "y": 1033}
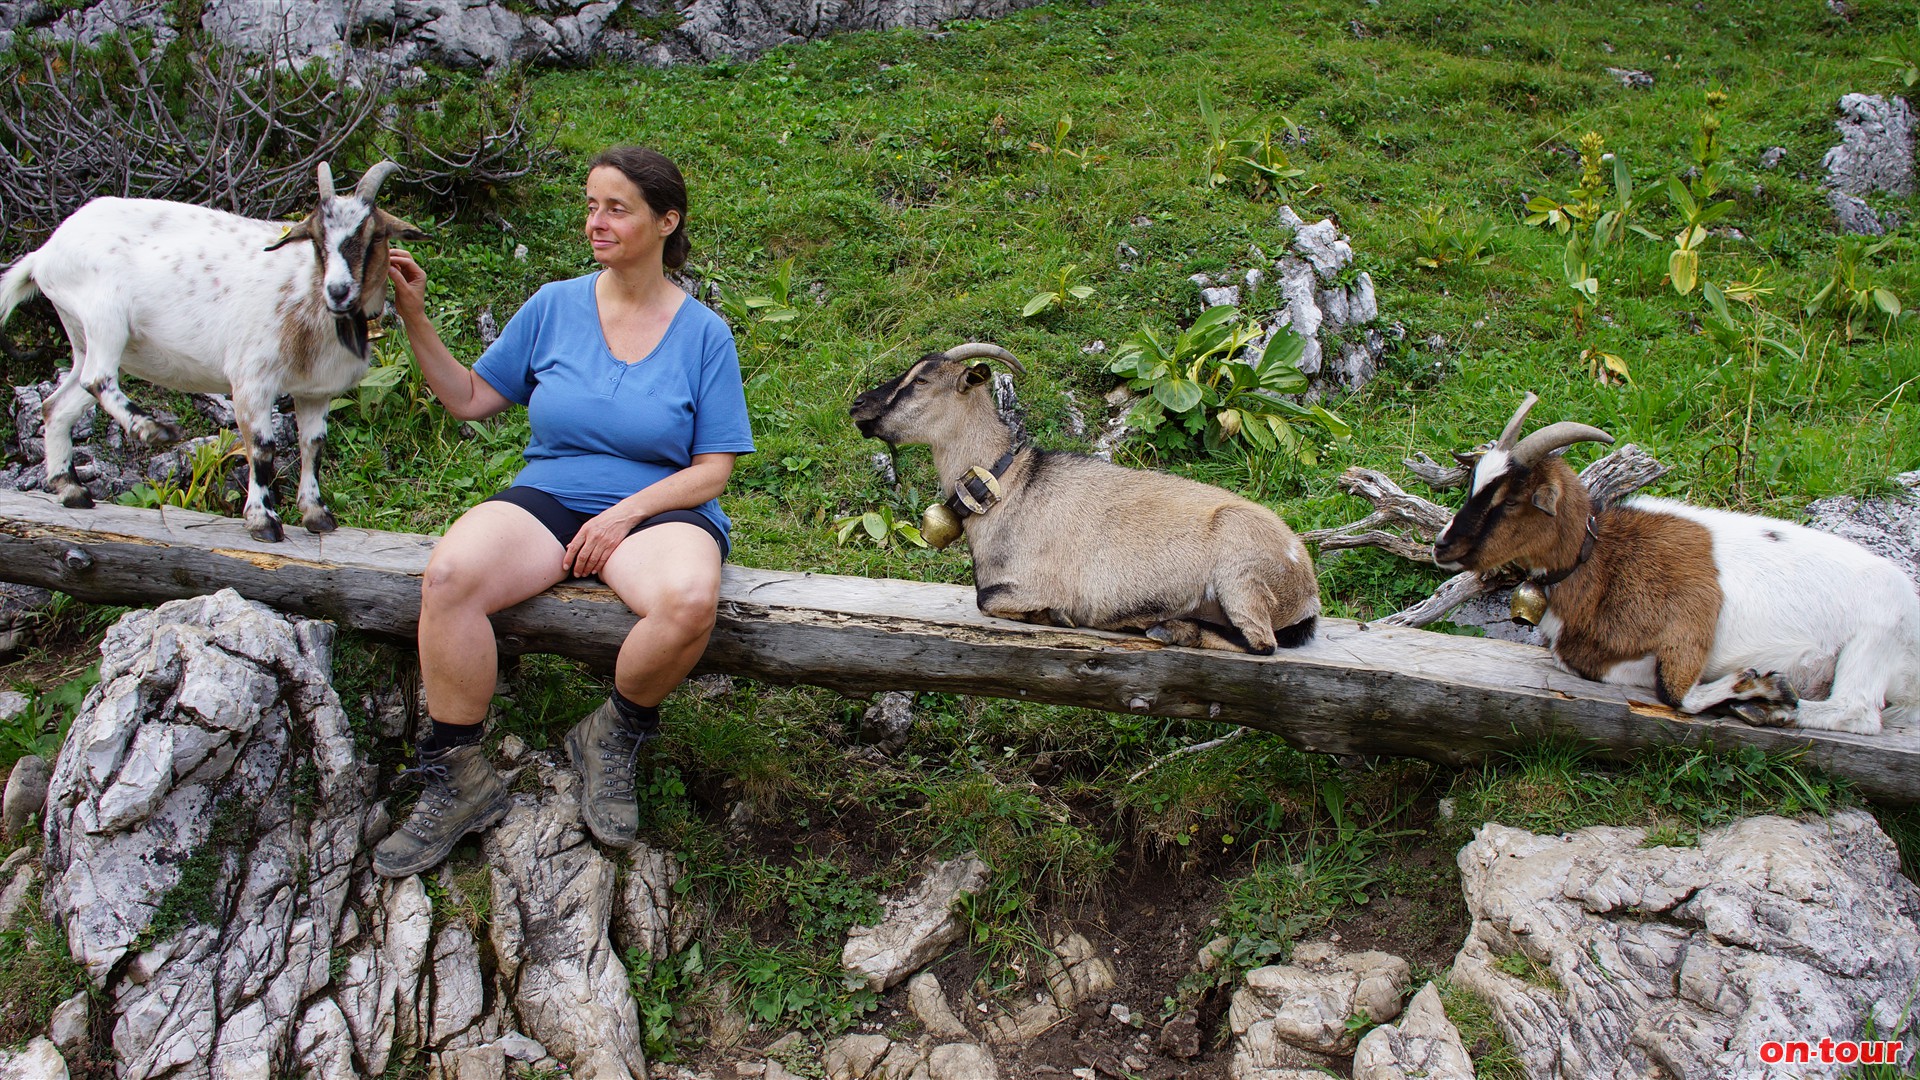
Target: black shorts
{"x": 563, "y": 521}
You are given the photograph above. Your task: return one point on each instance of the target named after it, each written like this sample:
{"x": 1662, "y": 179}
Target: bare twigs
{"x": 1609, "y": 479}
{"x": 209, "y": 126}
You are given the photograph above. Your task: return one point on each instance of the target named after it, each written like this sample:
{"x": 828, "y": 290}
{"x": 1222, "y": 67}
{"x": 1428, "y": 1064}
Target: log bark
{"x": 1356, "y": 689}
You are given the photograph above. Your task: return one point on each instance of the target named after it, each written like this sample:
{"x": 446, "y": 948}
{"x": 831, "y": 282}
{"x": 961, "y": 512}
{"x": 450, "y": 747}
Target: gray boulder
{"x": 488, "y": 34}
{"x": 1423, "y": 1044}
{"x": 915, "y": 926}
{"x": 212, "y": 715}
{"x": 1604, "y": 958}
{"x": 1876, "y": 147}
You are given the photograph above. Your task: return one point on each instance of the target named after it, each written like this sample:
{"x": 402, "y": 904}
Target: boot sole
{"x": 577, "y": 755}
{"x": 434, "y": 856}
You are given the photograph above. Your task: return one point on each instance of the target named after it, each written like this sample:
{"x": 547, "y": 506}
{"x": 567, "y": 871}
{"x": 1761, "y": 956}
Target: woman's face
{"x": 623, "y": 230}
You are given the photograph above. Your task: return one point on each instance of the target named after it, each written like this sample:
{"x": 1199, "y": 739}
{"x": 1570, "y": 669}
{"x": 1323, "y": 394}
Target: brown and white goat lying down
{"x": 203, "y": 301}
{"x": 1704, "y": 606}
{"x": 1072, "y": 540}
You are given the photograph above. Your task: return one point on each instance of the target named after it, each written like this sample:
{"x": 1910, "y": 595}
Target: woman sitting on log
{"x": 633, "y": 392}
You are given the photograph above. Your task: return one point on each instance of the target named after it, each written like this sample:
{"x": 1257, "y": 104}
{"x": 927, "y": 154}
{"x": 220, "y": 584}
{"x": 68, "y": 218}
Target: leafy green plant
{"x": 41, "y": 727}
{"x": 201, "y": 488}
{"x": 1255, "y": 161}
{"x": 879, "y": 526}
{"x": 1683, "y": 263}
{"x": 1748, "y": 338}
{"x": 1694, "y": 199}
{"x": 1213, "y": 380}
{"x": 1062, "y": 291}
{"x": 1593, "y": 229}
{"x": 1903, "y": 57}
{"x": 1853, "y": 289}
{"x": 1063, "y": 155}
{"x": 772, "y": 306}
{"x": 1438, "y": 245}
{"x": 661, "y": 988}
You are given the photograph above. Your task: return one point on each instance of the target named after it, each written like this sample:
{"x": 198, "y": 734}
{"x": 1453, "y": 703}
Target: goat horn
{"x": 371, "y": 180}
{"x": 1554, "y": 437}
{"x": 974, "y": 349}
{"x": 326, "y": 181}
{"x": 1512, "y": 431}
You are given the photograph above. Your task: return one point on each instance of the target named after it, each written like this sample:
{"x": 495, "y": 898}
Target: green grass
{"x": 920, "y": 190}
{"x": 36, "y": 974}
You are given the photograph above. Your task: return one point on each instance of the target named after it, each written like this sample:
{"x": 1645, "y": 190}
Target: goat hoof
{"x": 268, "y": 533}
{"x": 73, "y": 495}
{"x": 156, "y": 433}
{"x": 1161, "y": 634}
{"x": 319, "y": 521}
{"x": 1761, "y": 714}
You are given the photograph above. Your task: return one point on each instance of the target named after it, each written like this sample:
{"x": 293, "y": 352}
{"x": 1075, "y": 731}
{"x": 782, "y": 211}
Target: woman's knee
{"x": 451, "y": 581}
{"x": 689, "y": 606}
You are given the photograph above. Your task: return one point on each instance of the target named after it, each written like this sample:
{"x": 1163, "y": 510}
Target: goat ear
{"x": 301, "y": 230}
{"x": 973, "y": 376}
{"x": 1546, "y": 498}
{"x": 1465, "y": 458}
{"x": 388, "y": 227}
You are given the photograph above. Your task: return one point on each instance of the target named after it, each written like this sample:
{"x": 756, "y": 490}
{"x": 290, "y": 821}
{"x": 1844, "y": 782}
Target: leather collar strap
{"x": 978, "y": 490}
{"x": 1586, "y": 550}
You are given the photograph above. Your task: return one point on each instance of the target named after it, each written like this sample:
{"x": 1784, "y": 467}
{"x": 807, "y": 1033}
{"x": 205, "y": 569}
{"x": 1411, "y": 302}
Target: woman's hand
{"x": 409, "y": 284}
{"x": 596, "y": 541}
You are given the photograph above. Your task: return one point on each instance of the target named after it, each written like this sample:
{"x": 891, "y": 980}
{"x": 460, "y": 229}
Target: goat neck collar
{"x": 1586, "y": 551}
{"x": 978, "y": 489}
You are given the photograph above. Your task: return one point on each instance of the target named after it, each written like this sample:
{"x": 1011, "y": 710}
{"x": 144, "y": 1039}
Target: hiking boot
{"x": 605, "y": 753}
{"x": 463, "y": 795}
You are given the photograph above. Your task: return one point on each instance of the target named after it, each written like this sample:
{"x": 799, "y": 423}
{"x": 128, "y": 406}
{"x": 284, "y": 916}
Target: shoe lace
{"x": 434, "y": 801}
{"x": 619, "y": 756}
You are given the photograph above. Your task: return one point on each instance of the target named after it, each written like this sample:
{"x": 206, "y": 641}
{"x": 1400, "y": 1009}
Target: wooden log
{"x": 1356, "y": 689}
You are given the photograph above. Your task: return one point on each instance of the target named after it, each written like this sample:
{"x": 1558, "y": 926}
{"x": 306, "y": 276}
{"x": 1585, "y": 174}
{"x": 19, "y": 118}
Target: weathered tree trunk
{"x": 1356, "y": 689}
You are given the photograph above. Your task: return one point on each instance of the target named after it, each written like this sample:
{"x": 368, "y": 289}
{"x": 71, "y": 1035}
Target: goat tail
{"x": 17, "y": 287}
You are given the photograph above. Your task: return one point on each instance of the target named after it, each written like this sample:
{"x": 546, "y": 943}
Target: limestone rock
{"x": 38, "y": 1060}
{"x": 1075, "y": 973}
{"x": 323, "y": 1045}
{"x": 853, "y": 1057}
{"x": 484, "y": 1062}
{"x": 914, "y": 927}
{"x": 19, "y": 889}
{"x": 1852, "y": 213}
{"x": 1307, "y": 1003}
{"x": 929, "y": 1004}
{"x": 1876, "y": 146}
{"x": 1423, "y": 1044}
{"x": 212, "y": 714}
{"x": 553, "y": 898}
{"x": 491, "y": 33}
{"x": 644, "y": 918}
{"x": 67, "y": 1026}
{"x": 459, "y": 992}
{"x": 1683, "y": 961}
{"x": 961, "y": 1061}
{"x": 26, "y": 795}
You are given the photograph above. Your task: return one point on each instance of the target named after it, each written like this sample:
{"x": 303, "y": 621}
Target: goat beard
{"x": 351, "y": 329}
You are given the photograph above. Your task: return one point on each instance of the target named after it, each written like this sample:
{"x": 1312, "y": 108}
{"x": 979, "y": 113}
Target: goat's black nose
{"x": 338, "y": 293}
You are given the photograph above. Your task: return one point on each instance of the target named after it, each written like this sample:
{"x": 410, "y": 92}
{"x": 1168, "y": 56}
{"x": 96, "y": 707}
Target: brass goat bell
{"x": 939, "y": 525}
{"x": 1529, "y": 603}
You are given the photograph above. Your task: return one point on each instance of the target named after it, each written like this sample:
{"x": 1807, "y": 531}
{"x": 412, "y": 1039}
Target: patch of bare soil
{"x": 1151, "y": 920}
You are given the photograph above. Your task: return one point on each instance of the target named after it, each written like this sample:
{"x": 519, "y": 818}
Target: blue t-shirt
{"x": 604, "y": 429}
